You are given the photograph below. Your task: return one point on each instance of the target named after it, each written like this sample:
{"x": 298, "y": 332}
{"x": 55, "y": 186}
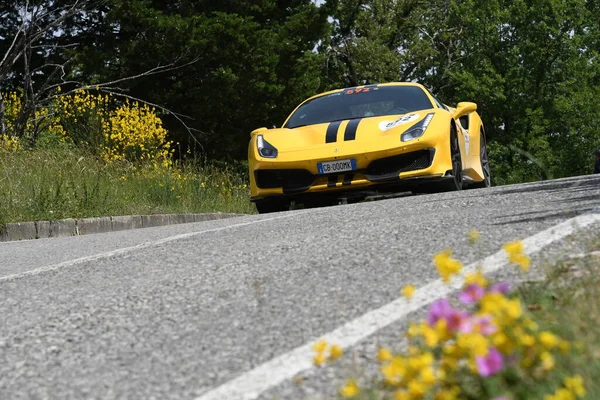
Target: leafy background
{"x": 531, "y": 65}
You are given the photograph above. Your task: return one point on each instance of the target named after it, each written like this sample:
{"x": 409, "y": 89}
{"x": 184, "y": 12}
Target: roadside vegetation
{"x": 97, "y": 156}
{"x": 233, "y": 66}
{"x": 496, "y": 342}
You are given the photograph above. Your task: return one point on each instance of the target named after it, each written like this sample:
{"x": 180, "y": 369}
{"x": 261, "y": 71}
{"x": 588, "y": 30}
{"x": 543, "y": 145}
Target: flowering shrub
{"x": 9, "y": 143}
{"x": 12, "y": 107}
{"x": 43, "y": 119}
{"x": 481, "y": 346}
{"x": 135, "y": 132}
{"x": 82, "y": 114}
{"x": 129, "y": 131}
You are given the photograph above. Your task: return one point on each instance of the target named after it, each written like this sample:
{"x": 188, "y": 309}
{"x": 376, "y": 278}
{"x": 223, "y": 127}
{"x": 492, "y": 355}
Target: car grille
{"x": 288, "y": 179}
{"x": 390, "y": 167}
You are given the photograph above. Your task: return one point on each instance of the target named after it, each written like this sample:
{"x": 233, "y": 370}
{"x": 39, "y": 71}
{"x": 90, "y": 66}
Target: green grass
{"x": 568, "y": 304}
{"x": 565, "y": 302}
{"x": 49, "y": 184}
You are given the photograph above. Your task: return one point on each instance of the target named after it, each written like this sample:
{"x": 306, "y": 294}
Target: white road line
{"x": 124, "y": 250}
{"x": 252, "y": 384}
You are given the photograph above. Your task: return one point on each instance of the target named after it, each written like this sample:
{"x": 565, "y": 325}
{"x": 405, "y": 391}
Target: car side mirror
{"x": 257, "y": 131}
{"x": 464, "y": 108}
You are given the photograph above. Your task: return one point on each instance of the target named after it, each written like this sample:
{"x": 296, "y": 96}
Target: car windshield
{"x": 360, "y": 103}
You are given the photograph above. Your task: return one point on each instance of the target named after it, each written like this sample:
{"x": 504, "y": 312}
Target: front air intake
{"x": 389, "y": 168}
{"x": 288, "y": 179}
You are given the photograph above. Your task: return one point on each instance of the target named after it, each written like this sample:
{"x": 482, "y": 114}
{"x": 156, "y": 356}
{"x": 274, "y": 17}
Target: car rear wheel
{"x": 266, "y": 206}
{"x": 485, "y": 166}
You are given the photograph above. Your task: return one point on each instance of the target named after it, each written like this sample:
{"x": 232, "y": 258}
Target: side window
{"x": 464, "y": 121}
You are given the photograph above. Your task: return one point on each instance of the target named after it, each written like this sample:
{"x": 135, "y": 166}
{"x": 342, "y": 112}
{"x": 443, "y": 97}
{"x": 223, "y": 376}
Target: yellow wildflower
{"x": 402, "y": 395}
{"x": 427, "y": 376}
{"x": 475, "y": 343}
{"x": 384, "y": 354}
{"x": 527, "y": 340}
{"x": 416, "y": 389}
{"x": 448, "y": 394}
{"x": 547, "y": 361}
{"x": 408, "y": 291}
{"x": 516, "y": 255}
{"x": 350, "y": 389}
{"x": 320, "y": 346}
{"x": 319, "y": 359}
{"x": 575, "y": 385}
{"x": 446, "y": 266}
{"x": 394, "y": 371}
{"x": 335, "y": 352}
{"x": 513, "y": 247}
{"x": 430, "y": 335}
{"x": 560, "y": 394}
{"x": 548, "y": 340}
{"x": 413, "y": 330}
{"x": 521, "y": 260}
{"x": 513, "y": 309}
{"x": 564, "y": 346}
{"x": 476, "y": 278}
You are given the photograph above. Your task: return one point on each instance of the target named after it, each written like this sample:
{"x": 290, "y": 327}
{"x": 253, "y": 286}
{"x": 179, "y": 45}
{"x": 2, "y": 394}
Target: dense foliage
{"x": 232, "y": 66}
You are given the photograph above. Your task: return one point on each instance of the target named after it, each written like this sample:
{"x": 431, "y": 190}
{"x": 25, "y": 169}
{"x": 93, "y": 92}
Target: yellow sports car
{"x": 347, "y": 144}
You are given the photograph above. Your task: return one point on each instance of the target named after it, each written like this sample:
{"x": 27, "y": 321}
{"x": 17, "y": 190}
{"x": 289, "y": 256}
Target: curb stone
{"x": 84, "y": 226}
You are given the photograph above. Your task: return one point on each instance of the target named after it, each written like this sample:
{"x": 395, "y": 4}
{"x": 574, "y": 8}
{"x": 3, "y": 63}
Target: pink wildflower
{"x": 441, "y": 309}
{"x": 491, "y": 364}
{"x": 502, "y": 287}
{"x": 477, "y": 324}
{"x": 472, "y": 294}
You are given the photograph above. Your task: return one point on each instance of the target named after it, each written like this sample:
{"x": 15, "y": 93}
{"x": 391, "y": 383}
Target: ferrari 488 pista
{"x": 351, "y": 143}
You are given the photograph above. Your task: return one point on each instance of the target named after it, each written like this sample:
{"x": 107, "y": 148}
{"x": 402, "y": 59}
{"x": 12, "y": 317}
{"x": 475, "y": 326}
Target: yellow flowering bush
{"x": 12, "y": 107}
{"x": 44, "y": 119}
{"x": 115, "y": 132}
{"x": 129, "y": 131}
{"x": 135, "y": 132}
{"x": 82, "y": 114}
{"x": 9, "y": 143}
{"x": 481, "y": 346}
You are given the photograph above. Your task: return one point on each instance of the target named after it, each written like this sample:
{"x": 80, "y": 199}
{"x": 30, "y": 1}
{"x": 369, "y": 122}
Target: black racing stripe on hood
{"x": 332, "y": 129}
{"x": 351, "y": 128}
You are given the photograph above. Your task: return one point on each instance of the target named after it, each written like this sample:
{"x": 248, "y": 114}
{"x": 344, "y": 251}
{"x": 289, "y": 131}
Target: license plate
{"x": 332, "y": 167}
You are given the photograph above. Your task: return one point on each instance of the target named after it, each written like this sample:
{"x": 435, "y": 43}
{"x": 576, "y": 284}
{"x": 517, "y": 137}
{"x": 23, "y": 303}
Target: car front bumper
{"x": 394, "y": 169}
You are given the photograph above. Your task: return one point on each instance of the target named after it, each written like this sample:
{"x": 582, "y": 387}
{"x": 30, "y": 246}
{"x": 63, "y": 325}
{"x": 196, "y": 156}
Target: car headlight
{"x": 265, "y": 149}
{"x": 418, "y": 130}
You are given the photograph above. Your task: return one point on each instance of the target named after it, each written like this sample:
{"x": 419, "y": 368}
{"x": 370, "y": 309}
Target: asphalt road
{"x": 176, "y": 311}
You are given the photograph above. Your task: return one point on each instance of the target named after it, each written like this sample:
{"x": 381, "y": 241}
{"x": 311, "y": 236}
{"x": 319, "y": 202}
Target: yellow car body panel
{"x": 366, "y": 140}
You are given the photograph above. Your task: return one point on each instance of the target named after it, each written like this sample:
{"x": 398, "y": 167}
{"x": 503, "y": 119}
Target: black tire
{"x": 485, "y": 166}
{"x": 456, "y": 183}
{"x": 267, "y": 206}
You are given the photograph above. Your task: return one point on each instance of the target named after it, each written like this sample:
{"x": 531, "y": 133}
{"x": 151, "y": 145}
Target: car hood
{"x": 374, "y": 131}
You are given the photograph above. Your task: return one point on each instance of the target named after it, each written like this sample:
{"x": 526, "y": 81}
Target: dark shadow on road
{"x": 563, "y": 215}
{"x": 581, "y": 195}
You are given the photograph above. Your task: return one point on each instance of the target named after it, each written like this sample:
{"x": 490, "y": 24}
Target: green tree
{"x": 252, "y": 61}
{"x": 531, "y": 65}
